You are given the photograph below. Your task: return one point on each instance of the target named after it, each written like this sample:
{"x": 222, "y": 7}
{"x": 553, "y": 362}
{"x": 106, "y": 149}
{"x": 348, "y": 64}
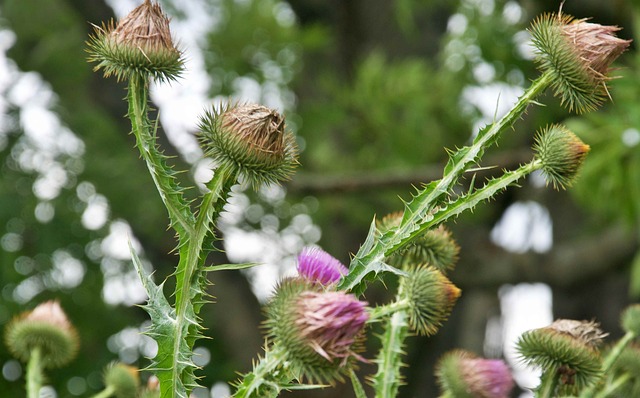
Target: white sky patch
{"x": 492, "y": 100}
{"x": 524, "y": 307}
{"x": 524, "y": 226}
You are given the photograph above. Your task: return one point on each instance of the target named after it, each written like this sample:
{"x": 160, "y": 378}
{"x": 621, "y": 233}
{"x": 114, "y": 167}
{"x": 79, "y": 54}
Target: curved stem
{"x": 34, "y": 375}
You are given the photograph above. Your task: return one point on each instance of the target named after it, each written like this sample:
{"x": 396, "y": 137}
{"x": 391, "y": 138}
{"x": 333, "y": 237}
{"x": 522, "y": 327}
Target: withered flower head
{"x": 566, "y": 351}
{"x": 577, "y": 55}
{"x": 139, "y": 44}
{"x": 250, "y": 140}
{"x": 47, "y": 329}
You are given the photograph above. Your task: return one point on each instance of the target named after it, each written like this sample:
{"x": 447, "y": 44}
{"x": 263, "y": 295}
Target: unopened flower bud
{"x": 631, "y": 319}
{"x": 318, "y": 266}
{"x": 45, "y": 328}
{"x": 431, "y": 297}
{"x": 567, "y": 348}
{"x": 320, "y": 331}
{"x": 578, "y": 55}
{"x": 561, "y": 153}
{"x": 463, "y": 375}
{"x": 139, "y": 44}
{"x": 435, "y": 247}
{"x": 251, "y": 140}
{"x": 123, "y": 380}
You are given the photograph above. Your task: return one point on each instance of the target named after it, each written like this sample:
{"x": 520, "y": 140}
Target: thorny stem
{"x": 610, "y": 360}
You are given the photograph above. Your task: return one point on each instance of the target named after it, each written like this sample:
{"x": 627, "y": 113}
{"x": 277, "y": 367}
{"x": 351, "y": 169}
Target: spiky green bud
{"x": 631, "y": 319}
{"x": 463, "y": 375}
{"x": 320, "y": 331}
{"x": 123, "y": 380}
{"x": 435, "y": 247}
{"x": 561, "y": 153}
{"x": 577, "y": 54}
{"x": 46, "y": 328}
{"x": 139, "y": 44}
{"x": 430, "y": 296}
{"x": 567, "y": 348}
{"x": 250, "y": 140}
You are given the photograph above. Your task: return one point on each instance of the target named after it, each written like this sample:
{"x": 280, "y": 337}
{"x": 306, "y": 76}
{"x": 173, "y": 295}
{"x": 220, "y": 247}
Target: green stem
{"x": 384, "y": 311}
{"x": 171, "y": 194}
{"x": 107, "y": 392}
{"x": 266, "y": 379}
{"x": 388, "y": 378}
{"x": 613, "y": 386}
{"x": 609, "y": 361}
{"x": 418, "y": 215}
{"x": 34, "y": 375}
{"x": 548, "y": 383}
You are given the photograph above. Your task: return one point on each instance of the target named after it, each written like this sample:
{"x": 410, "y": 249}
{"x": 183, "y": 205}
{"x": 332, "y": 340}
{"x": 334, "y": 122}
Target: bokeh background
{"x": 374, "y": 90}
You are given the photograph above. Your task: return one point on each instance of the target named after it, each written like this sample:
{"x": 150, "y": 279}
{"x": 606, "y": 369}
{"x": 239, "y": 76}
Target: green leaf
{"x": 634, "y": 283}
{"x": 226, "y": 267}
{"x": 166, "y": 365}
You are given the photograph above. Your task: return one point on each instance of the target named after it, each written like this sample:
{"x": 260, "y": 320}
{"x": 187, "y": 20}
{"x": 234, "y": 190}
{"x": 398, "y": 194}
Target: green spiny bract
{"x": 430, "y": 296}
{"x": 567, "y": 349}
{"x": 561, "y": 153}
{"x": 252, "y": 141}
{"x": 577, "y": 54}
{"x": 47, "y": 329}
{"x": 140, "y": 44}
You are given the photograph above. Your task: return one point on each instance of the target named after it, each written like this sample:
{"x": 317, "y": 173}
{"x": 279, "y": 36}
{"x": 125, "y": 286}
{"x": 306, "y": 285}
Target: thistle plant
{"x": 317, "y": 322}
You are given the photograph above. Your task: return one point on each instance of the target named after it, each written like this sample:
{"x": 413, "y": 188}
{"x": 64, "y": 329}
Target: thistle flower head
{"x": 122, "y": 379}
{"x": 463, "y": 375}
{"x": 561, "y": 153}
{"x": 567, "y": 348}
{"x": 139, "y": 44}
{"x": 431, "y": 297}
{"x": 578, "y": 55}
{"x": 251, "y": 140}
{"x": 316, "y": 265}
{"x": 46, "y": 328}
{"x": 435, "y": 247}
{"x": 631, "y": 319}
{"x": 320, "y": 331}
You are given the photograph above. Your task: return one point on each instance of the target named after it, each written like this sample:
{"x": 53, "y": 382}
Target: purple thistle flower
{"x": 331, "y": 323}
{"x": 489, "y": 378}
{"x": 318, "y": 266}
{"x": 462, "y": 374}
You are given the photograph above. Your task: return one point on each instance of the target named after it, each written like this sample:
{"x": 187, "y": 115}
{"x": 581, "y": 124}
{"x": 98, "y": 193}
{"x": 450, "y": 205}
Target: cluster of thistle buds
{"x": 316, "y": 327}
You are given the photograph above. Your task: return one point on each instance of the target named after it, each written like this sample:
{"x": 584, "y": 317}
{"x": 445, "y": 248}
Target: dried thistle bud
{"x": 631, "y": 319}
{"x": 122, "y": 380}
{"x": 567, "y": 348}
{"x": 47, "y": 329}
{"x": 578, "y": 55}
{"x": 463, "y": 375}
{"x": 250, "y": 140}
{"x": 561, "y": 153}
{"x": 430, "y": 296}
{"x": 318, "y": 266}
{"x": 435, "y": 247}
{"x": 139, "y": 44}
{"x": 320, "y": 331}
